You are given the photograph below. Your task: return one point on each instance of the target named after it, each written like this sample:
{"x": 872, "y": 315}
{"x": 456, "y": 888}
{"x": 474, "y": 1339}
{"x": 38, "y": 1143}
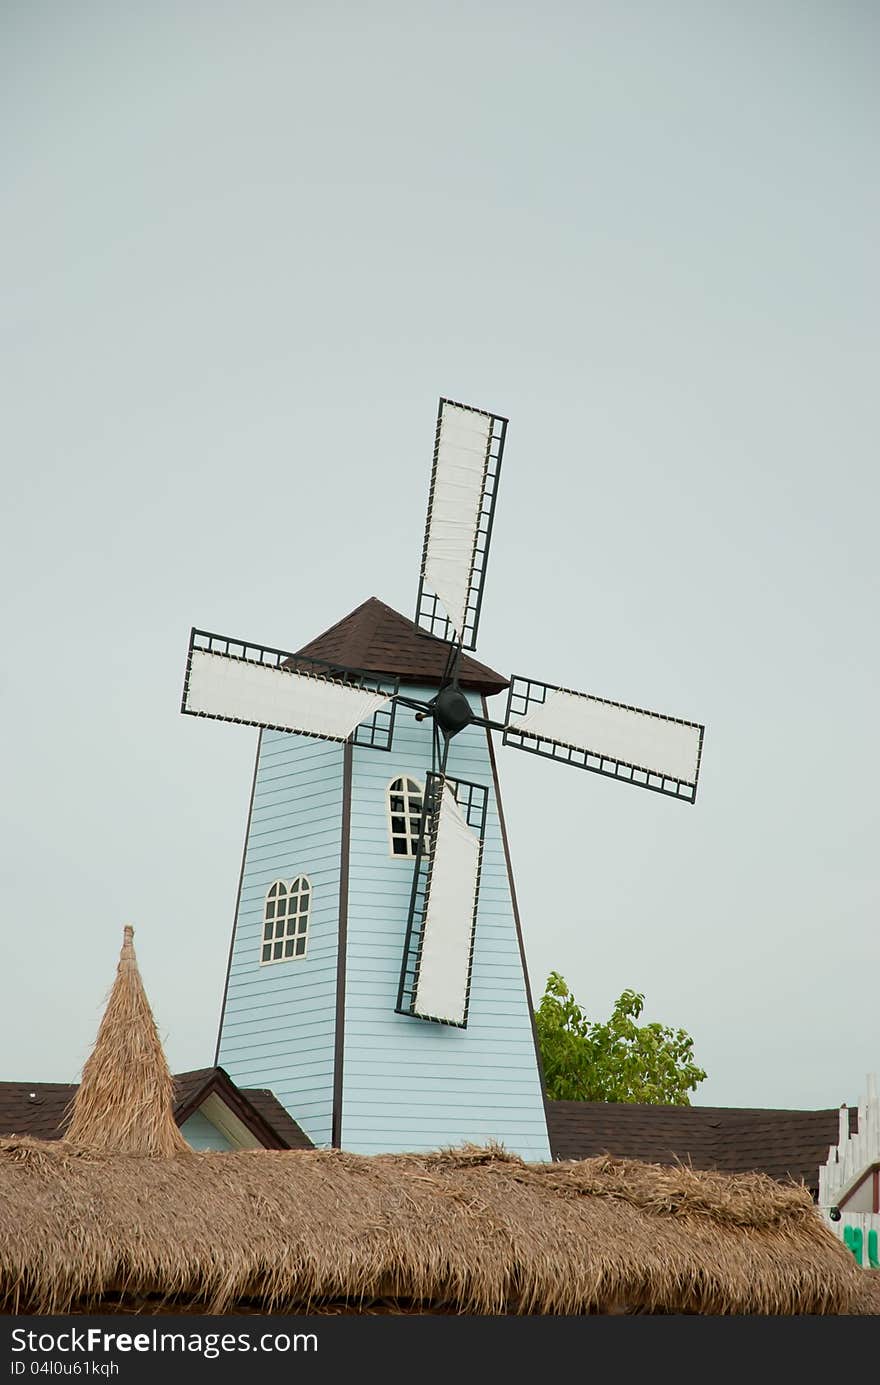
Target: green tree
{"x": 620, "y": 1060}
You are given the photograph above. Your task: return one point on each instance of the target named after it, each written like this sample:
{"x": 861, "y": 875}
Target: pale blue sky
{"x": 245, "y": 248}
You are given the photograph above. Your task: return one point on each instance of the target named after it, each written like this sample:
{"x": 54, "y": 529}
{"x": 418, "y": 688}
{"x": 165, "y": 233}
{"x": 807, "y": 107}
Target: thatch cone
{"x": 124, "y": 1103}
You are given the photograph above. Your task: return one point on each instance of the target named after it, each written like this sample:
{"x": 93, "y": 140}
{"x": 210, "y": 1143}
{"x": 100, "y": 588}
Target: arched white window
{"x": 286, "y": 920}
{"x": 404, "y": 814}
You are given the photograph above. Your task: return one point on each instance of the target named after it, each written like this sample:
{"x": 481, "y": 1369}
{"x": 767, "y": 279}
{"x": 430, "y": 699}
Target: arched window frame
{"x": 411, "y": 832}
{"x": 293, "y": 922}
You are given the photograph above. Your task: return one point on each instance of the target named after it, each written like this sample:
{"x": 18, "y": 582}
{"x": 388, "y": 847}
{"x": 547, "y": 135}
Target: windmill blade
{"x": 235, "y": 680}
{"x": 435, "y": 978}
{"x": 468, "y": 448}
{"x": 639, "y": 747}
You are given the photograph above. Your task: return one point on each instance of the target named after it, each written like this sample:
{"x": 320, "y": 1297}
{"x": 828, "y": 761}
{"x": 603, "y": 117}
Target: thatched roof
{"x": 468, "y": 1231}
{"x": 868, "y": 1296}
{"x": 124, "y": 1216}
{"x": 125, "y": 1101}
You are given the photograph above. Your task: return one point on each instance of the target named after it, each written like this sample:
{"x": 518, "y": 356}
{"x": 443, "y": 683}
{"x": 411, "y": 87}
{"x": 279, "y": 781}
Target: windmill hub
{"x": 451, "y": 710}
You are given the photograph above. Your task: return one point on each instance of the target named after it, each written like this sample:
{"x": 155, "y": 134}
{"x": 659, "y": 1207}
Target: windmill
{"x": 297, "y": 694}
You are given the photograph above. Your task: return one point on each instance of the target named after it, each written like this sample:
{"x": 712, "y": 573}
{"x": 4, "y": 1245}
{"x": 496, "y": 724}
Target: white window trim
{"x": 407, "y": 780}
{"x": 215, "y": 1110}
{"x": 288, "y": 885}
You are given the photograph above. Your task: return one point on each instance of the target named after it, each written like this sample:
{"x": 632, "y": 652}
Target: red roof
{"x": 377, "y": 639}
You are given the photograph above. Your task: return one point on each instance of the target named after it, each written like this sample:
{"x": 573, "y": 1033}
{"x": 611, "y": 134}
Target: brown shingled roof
{"x": 783, "y": 1144}
{"x": 34, "y": 1108}
{"x": 38, "y": 1108}
{"x": 377, "y": 639}
{"x": 257, "y": 1107}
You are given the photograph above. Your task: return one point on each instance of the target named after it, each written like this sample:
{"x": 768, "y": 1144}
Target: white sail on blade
{"x": 240, "y": 690}
{"x": 442, "y": 984}
{"x": 651, "y": 742}
{"x": 460, "y": 470}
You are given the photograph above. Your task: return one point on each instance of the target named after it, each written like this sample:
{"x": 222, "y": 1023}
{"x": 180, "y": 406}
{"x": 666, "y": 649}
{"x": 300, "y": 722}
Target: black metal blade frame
{"x": 527, "y": 692}
{"x": 375, "y": 734}
{"x": 473, "y": 799}
{"x": 429, "y": 612}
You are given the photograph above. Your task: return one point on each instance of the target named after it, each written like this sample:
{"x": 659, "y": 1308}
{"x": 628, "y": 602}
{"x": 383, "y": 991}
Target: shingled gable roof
{"x": 783, "y": 1144}
{"x": 257, "y": 1107}
{"x": 377, "y": 639}
{"x": 38, "y": 1109}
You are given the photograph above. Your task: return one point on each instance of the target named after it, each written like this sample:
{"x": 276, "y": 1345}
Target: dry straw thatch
{"x": 468, "y": 1231}
{"x": 125, "y": 1101}
{"x": 868, "y": 1296}
{"x": 122, "y": 1216}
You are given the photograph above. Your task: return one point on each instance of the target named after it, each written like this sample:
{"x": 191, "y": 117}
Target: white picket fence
{"x": 851, "y": 1156}
{"x": 865, "y": 1244}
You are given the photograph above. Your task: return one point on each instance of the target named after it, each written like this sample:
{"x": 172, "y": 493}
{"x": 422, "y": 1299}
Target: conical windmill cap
{"x": 378, "y": 639}
{"x": 124, "y": 1103}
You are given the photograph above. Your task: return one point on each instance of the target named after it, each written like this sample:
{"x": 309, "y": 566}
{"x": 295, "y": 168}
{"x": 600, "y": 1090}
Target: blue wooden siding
{"x": 410, "y": 1084}
{"x": 201, "y": 1133}
{"x": 279, "y": 1023}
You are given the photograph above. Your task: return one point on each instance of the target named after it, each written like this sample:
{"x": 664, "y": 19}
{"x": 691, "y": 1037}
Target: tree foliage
{"x": 619, "y": 1060}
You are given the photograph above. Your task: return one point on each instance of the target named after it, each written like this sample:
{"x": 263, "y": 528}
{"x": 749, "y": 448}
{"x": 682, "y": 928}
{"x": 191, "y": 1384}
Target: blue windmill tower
{"x": 377, "y": 980}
